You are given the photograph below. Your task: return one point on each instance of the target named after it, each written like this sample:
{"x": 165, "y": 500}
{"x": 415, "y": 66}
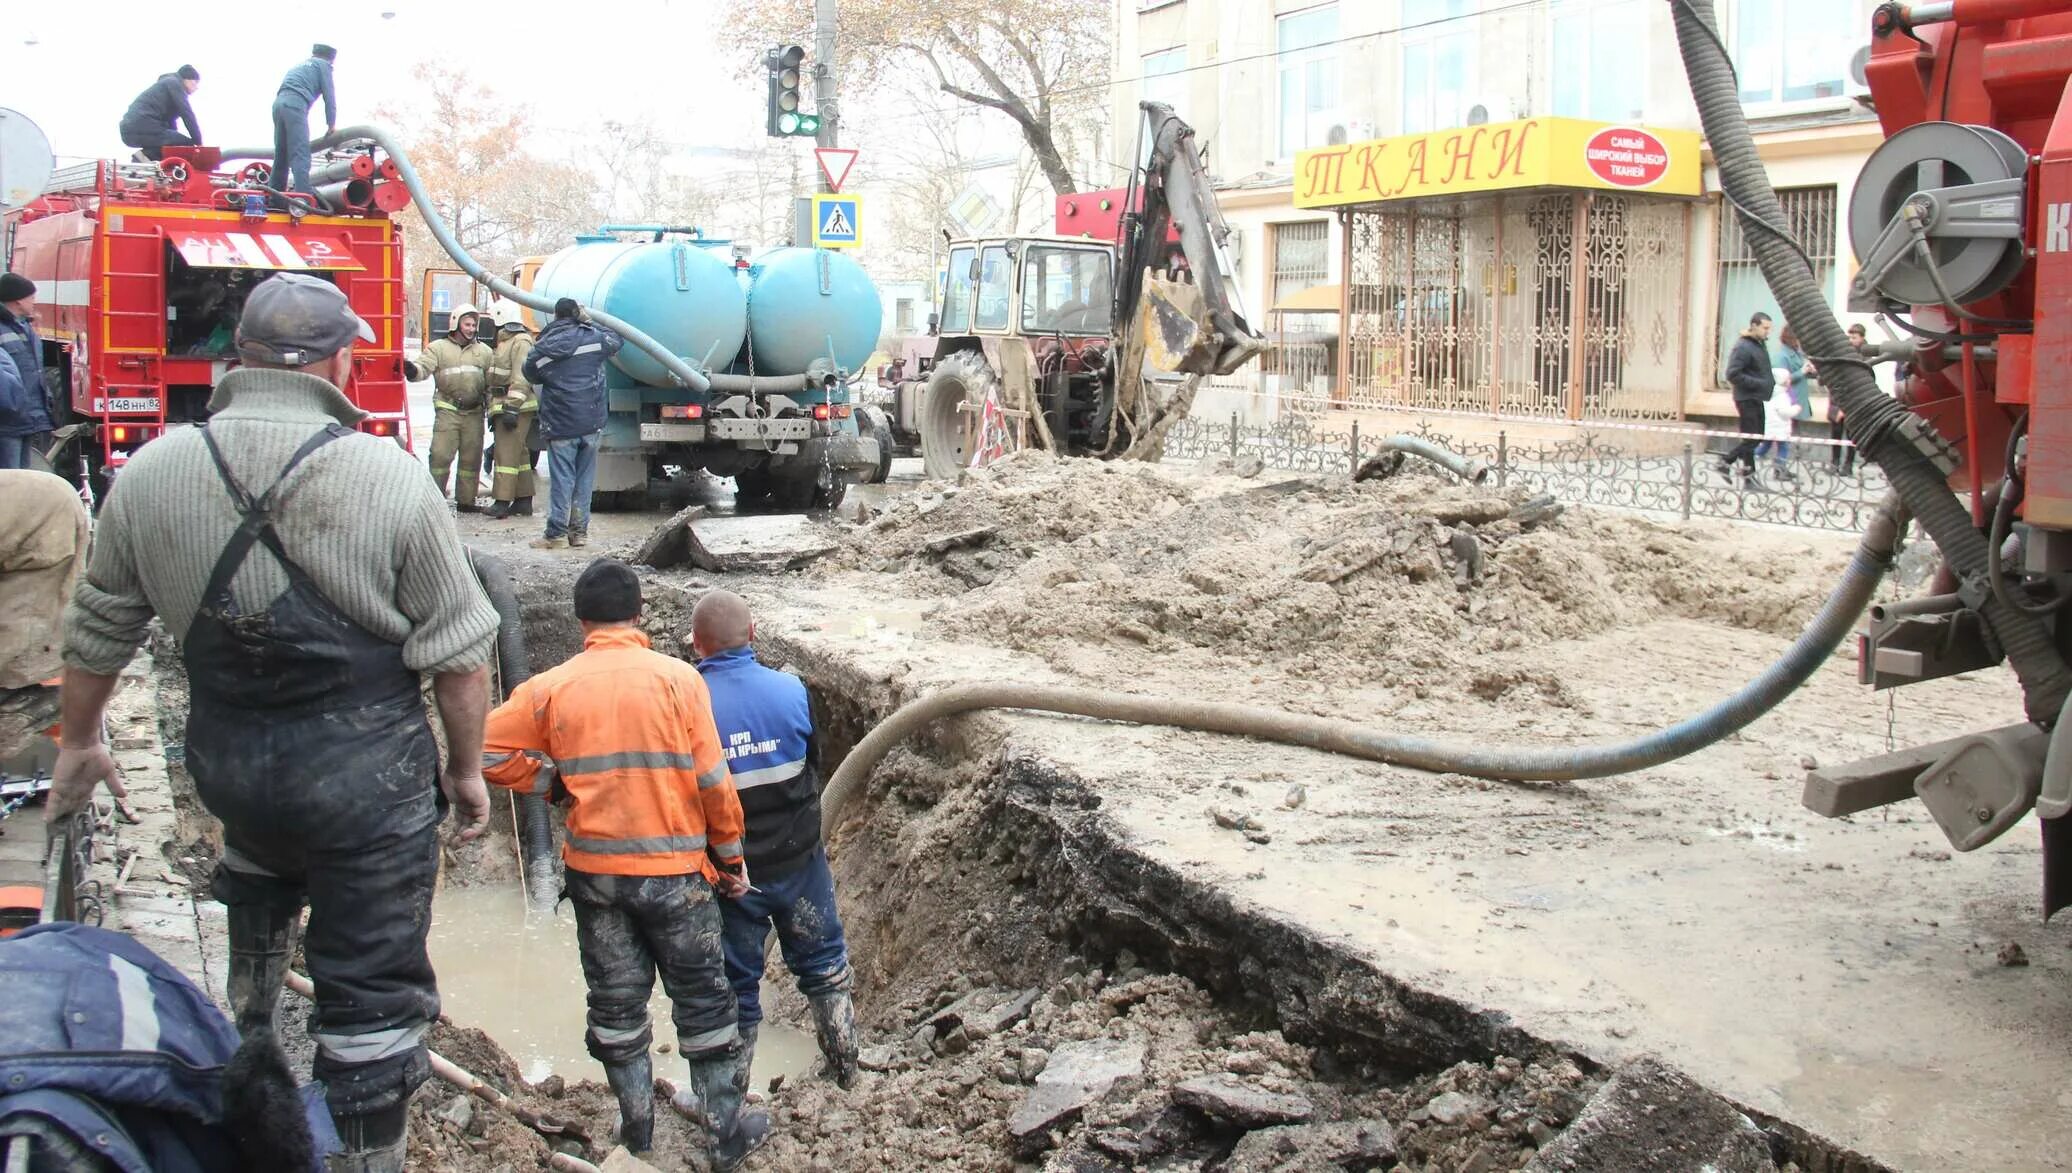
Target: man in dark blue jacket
{"x": 765, "y": 723}
{"x": 1748, "y": 375}
{"x": 24, "y": 403}
{"x": 291, "y": 106}
{"x": 567, "y": 365}
{"x": 149, "y": 121}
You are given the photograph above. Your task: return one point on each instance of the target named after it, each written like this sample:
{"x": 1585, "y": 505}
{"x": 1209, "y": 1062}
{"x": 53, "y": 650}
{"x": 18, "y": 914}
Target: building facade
{"x": 1544, "y": 299}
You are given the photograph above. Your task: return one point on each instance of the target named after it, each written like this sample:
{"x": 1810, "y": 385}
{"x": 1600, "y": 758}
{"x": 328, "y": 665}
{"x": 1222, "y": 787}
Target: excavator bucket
{"x": 1180, "y": 335}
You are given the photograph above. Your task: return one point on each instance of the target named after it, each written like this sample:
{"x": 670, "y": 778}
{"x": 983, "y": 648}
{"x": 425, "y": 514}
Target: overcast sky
{"x": 74, "y": 68}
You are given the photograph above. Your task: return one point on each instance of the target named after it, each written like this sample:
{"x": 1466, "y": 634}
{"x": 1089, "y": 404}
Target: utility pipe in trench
{"x": 535, "y": 828}
{"x": 1836, "y": 619}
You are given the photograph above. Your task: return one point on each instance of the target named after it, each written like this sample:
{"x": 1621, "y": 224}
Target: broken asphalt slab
{"x": 1076, "y": 1074}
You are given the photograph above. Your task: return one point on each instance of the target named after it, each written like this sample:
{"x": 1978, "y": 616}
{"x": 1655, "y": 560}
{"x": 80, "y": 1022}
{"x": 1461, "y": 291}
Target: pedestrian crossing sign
{"x": 835, "y": 221}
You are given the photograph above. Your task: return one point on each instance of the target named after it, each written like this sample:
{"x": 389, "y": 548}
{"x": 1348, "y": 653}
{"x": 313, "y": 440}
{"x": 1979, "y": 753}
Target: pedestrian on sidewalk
{"x": 516, "y": 418}
{"x": 25, "y": 410}
{"x": 1791, "y": 374}
{"x": 766, "y": 723}
{"x": 624, "y": 736}
{"x": 149, "y": 123}
{"x": 567, "y": 365}
{"x": 459, "y": 366}
{"x": 1843, "y": 454}
{"x": 298, "y": 94}
{"x": 309, "y": 574}
{"x": 1749, "y": 377}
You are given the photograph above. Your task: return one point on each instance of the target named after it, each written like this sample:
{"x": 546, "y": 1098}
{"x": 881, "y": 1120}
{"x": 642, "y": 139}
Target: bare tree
{"x": 1036, "y": 61}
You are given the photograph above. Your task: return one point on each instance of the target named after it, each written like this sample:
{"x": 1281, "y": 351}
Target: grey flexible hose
{"x": 674, "y": 363}
{"x": 1835, "y": 620}
{"x": 514, "y": 667}
{"x": 1466, "y": 468}
{"x": 1877, "y": 424}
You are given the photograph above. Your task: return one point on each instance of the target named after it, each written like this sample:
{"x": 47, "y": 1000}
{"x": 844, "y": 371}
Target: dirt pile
{"x": 1127, "y": 572}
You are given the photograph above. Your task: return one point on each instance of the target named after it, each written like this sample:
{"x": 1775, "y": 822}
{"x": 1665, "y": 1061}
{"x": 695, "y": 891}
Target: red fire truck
{"x": 141, "y": 272}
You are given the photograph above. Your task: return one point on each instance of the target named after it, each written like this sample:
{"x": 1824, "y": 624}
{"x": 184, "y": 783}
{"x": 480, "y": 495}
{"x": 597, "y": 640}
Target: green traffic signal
{"x": 805, "y": 124}
{"x": 787, "y": 123}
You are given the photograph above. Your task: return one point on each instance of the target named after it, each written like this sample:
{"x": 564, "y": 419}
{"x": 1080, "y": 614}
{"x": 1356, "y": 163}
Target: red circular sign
{"x": 1625, "y": 156}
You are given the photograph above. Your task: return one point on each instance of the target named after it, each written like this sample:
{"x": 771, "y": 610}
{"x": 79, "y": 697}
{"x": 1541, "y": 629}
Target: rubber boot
{"x": 687, "y": 1103}
{"x": 720, "y": 1083}
{"x": 633, "y": 1081}
{"x": 374, "y": 1143}
{"x": 262, "y": 939}
{"x": 834, "y": 1024}
{"x": 522, "y": 507}
{"x": 499, "y": 511}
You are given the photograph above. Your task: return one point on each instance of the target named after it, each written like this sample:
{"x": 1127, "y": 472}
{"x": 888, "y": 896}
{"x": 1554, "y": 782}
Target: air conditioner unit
{"x": 1349, "y": 130}
{"x": 1490, "y": 108}
{"x": 1858, "y": 85}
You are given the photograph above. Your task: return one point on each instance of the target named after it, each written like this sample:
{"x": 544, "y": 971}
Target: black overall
{"x": 307, "y": 735}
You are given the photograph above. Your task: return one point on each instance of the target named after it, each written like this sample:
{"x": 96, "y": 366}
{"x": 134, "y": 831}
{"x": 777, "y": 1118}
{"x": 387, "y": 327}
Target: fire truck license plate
{"x": 143, "y": 403}
{"x": 745, "y": 429}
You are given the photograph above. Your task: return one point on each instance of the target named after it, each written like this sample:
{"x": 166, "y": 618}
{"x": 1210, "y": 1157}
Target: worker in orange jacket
{"x": 624, "y": 735}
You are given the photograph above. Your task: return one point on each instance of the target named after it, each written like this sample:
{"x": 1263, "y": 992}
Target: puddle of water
{"x": 516, "y": 975}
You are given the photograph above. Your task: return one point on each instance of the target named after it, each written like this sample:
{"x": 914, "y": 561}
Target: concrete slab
{"x": 1837, "y": 975}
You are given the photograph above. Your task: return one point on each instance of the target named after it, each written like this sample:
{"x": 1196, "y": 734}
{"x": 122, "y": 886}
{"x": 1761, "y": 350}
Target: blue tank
{"x": 792, "y": 322}
{"x": 680, "y": 294}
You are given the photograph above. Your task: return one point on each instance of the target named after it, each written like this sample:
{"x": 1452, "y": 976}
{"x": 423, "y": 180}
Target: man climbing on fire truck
{"x": 148, "y": 124}
{"x": 458, "y": 366}
{"x": 517, "y": 416}
{"x": 291, "y": 106}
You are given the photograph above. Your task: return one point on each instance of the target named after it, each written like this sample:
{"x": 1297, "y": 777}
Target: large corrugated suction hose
{"x": 514, "y": 667}
{"x": 1880, "y": 427}
{"x": 672, "y": 362}
{"x": 1835, "y": 621}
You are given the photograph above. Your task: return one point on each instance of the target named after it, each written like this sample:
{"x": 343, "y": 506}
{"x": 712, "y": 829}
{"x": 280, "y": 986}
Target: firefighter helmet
{"x": 510, "y": 315}
{"x": 466, "y": 310}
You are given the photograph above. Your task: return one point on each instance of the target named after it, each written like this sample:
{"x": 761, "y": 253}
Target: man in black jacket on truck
{"x": 1748, "y": 374}
{"x": 148, "y": 124}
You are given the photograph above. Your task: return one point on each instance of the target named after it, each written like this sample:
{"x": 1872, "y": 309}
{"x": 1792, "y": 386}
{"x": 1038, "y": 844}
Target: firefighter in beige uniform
{"x": 458, "y": 366}
{"x": 517, "y": 418}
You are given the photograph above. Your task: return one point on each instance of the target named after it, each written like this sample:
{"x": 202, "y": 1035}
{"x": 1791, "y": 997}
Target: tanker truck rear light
{"x": 830, "y": 411}
{"x": 683, "y": 411}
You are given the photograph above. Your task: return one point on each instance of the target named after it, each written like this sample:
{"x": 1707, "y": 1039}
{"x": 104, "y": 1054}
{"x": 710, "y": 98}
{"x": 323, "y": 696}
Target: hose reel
{"x": 1937, "y": 217}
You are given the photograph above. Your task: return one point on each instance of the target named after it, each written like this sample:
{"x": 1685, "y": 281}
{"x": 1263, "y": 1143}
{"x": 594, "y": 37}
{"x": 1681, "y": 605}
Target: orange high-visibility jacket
{"x": 630, "y": 733}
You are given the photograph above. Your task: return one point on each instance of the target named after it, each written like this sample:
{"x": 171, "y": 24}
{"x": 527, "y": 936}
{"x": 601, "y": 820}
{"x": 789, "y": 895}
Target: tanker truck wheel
{"x": 867, "y": 425}
{"x": 959, "y": 379}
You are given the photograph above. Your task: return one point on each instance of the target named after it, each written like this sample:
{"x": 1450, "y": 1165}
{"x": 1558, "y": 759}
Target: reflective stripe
{"x": 784, "y": 772}
{"x": 724, "y": 1036}
{"x": 586, "y": 348}
{"x": 712, "y": 777}
{"x": 730, "y": 850}
{"x": 369, "y": 1047}
{"x": 499, "y": 370}
{"x": 632, "y": 759}
{"x": 442, "y": 405}
{"x": 652, "y": 845}
{"x": 617, "y": 1034}
{"x": 139, "y": 1005}
{"x": 513, "y": 470}
{"x": 462, "y": 366}
{"x": 497, "y": 759}
{"x": 542, "y": 360}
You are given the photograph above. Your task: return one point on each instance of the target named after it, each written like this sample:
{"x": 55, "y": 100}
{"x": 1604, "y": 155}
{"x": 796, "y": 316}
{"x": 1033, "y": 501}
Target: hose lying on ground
{"x": 1835, "y": 620}
{"x": 514, "y": 667}
{"x": 1466, "y": 468}
{"x": 1883, "y": 430}
{"x": 685, "y": 373}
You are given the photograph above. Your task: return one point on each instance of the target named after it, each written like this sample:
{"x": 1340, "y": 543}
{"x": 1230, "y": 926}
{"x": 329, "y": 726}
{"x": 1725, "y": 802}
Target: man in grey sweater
{"x": 310, "y": 573}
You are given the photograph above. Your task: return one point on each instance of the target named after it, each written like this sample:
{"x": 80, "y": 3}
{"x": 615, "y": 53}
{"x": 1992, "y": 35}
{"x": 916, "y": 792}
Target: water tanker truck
{"x": 778, "y": 332}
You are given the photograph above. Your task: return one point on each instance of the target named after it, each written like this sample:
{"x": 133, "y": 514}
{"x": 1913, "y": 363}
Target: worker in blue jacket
{"x": 291, "y": 106}
{"x": 567, "y": 366}
{"x": 25, "y": 416}
{"x": 765, "y": 723}
{"x": 149, "y": 122}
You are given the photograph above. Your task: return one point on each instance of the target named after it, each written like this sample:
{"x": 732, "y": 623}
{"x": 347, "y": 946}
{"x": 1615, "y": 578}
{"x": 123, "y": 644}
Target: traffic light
{"x": 786, "y": 118}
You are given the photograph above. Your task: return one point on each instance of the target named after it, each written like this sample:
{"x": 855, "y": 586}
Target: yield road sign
{"x": 835, "y": 221}
{"x": 835, "y": 163}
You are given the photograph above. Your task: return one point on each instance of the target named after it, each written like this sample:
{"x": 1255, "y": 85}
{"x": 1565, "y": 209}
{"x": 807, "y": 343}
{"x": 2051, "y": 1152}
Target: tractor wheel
{"x": 959, "y": 379}
{"x": 867, "y": 424}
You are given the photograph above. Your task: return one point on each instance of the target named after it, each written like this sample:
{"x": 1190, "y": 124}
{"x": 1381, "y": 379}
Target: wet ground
{"x": 515, "y": 974}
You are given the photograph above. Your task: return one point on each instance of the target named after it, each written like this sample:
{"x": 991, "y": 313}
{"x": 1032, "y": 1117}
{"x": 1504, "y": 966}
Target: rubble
{"x": 1234, "y": 1101}
{"x": 1651, "y": 1118}
{"x": 1351, "y": 1145}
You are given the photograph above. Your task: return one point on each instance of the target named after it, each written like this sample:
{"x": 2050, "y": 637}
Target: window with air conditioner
{"x": 1438, "y": 71}
{"x": 1788, "y": 53}
{"x": 1600, "y": 51}
{"x": 1165, "y": 78}
{"x": 1306, "y": 52}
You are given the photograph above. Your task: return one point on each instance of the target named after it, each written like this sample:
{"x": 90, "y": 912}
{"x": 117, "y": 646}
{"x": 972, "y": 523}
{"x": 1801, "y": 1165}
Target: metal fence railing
{"x": 1588, "y": 467}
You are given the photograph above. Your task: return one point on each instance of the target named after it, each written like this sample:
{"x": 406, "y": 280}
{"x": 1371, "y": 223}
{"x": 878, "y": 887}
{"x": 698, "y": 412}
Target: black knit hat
{"x": 324, "y": 51}
{"x": 608, "y": 592}
{"x": 567, "y": 308}
{"x": 189, "y": 73}
{"x": 14, "y": 287}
